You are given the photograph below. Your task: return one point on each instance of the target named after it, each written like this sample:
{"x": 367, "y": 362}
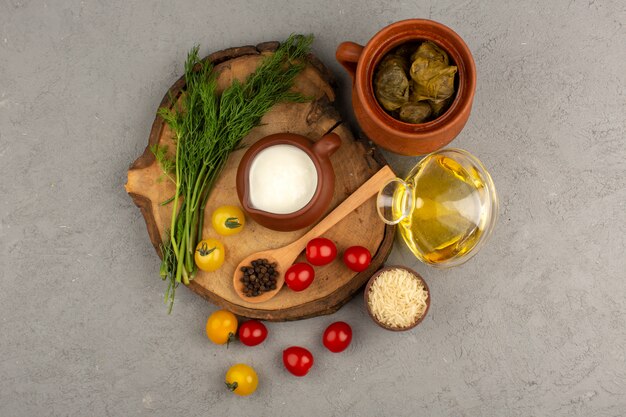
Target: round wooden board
{"x": 354, "y": 163}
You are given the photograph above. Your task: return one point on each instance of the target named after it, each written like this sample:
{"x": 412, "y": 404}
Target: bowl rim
{"x": 367, "y": 290}
{"x": 406, "y": 126}
{"x": 284, "y": 138}
{"x": 405, "y": 31}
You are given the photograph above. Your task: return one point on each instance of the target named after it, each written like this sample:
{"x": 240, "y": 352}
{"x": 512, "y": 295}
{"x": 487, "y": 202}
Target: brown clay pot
{"x": 320, "y": 153}
{"x": 397, "y": 136}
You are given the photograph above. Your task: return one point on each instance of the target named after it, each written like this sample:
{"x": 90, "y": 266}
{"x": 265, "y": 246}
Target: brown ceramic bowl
{"x": 320, "y": 153}
{"x": 399, "y": 137}
{"x": 367, "y": 293}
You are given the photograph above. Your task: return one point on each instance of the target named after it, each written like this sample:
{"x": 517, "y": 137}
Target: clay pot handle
{"x": 327, "y": 145}
{"x": 348, "y": 54}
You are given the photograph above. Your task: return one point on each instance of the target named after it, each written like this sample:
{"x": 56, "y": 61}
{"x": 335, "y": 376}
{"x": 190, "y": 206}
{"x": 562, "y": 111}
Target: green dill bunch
{"x": 207, "y": 127}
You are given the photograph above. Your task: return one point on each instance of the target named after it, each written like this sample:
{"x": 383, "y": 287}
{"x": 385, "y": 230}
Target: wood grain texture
{"x": 354, "y": 163}
{"x": 285, "y": 256}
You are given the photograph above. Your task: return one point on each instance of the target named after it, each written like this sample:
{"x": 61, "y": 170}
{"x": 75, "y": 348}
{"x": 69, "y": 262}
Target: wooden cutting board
{"x": 354, "y": 162}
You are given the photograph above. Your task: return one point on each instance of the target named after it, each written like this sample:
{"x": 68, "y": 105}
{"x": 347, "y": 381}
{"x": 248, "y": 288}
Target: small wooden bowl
{"x": 367, "y": 293}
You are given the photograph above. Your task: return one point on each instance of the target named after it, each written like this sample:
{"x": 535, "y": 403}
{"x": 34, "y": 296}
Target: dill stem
{"x": 191, "y": 250}
{"x": 197, "y": 187}
{"x": 185, "y": 276}
{"x": 204, "y": 199}
{"x": 175, "y": 205}
{"x": 179, "y": 267}
{"x": 192, "y": 218}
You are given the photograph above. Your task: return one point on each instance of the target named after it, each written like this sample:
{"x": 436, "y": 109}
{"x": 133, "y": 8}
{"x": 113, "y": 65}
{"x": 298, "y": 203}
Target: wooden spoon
{"x": 285, "y": 256}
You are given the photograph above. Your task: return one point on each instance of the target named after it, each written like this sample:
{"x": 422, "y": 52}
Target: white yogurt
{"x": 283, "y": 179}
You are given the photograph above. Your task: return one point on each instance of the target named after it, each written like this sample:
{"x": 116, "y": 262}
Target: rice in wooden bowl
{"x": 397, "y": 298}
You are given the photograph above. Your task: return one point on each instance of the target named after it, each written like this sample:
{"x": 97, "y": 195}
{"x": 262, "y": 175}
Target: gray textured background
{"x": 534, "y": 325}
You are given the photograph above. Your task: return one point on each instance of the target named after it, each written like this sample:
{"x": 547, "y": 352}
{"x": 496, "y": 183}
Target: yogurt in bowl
{"x": 282, "y": 179}
{"x": 285, "y": 181}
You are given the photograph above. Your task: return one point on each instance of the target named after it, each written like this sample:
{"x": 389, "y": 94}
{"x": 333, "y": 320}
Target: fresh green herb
{"x": 207, "y": 128}
{"x": 166, "y": 164}
{"x": 232, "y": 223}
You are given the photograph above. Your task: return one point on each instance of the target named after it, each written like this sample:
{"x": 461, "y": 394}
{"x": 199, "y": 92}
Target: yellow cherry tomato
{"x": 221, "y": 327}
{"x": 209, "y": 255}
{"x": 242, "y": 379}
{"x": 228, "y": 220}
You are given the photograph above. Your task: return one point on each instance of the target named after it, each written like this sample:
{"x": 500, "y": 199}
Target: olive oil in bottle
{"x": 454, "y": 203}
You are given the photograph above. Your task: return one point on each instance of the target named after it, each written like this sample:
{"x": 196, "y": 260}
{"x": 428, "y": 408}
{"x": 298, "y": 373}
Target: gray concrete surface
{"x": 535, "y": 325}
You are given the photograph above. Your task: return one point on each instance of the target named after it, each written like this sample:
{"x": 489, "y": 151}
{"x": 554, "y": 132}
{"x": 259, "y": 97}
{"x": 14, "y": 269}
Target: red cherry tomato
{"x": 357, "y": 258}
{"x": 252, "y": 333}
{"x": 320, "y": 251}
{"x": 337, "y": 336}
{"x": 297, "y": 360}
{"x": 299, "y": 276}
